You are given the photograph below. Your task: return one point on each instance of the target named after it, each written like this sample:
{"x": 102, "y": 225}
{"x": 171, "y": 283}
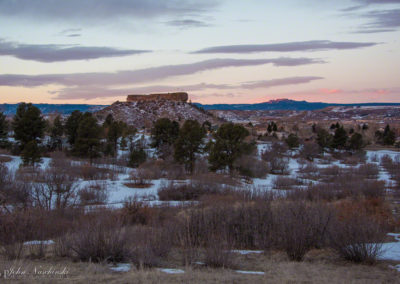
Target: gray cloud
{"x": 188, "y": 23}
{"x": 93, "y": 92}
{"x": 54, "y": 52}
{"x": 101, "y": 10}
{"x": 143, "y": 75}
{"x": 314, "y": 45}
{"x": 382, "y": 21}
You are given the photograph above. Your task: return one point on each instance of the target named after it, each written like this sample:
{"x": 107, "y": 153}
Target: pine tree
{"x": 3, "y": 130}
{"x": 28, "y": 124}
{"x": 340, "y": 138}
{"x": 389, "y": 137}
{"x": 228, "y": 146}
{"x": 71, "y": 126}
{"x": 356, "y": 142}
{"x": 56, "y": 133}
{"x": 324, "y": 139}
{"x": 137, "y": 156}
{"x": 292, "y": 141}
{"x": 31, "y": 154}
{"x": 164, "y": 134}
{"x": 188, "y": 144}
{"x": 114, "y": 132}
{"x": 87, "y": 142}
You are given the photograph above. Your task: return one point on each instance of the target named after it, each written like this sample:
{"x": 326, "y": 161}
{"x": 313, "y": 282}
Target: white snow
{"x": 121, "y": 267}
{"x": 244, "y": 252}
{"x": 171, "y": 270}
{"x": 391, "y": 251}
{"x": 250, "y": 272}
{"x": 48, "y": 242}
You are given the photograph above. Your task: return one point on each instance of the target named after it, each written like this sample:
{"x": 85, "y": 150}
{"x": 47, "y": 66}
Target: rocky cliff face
{"x": 176, "y": 97}
{"x": 144, "y": 113}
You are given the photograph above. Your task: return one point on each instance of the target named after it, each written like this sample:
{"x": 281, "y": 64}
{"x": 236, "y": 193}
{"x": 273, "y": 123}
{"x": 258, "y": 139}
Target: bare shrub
{"x": 154, "y": 168}
{"x": 370, "y": 171}
{"x": 93, "y": 194}
{"x": 279, "y": 166}
{"x": 301, "y": 227}
{"x": 141, "y": 177}
{"x": 192, "y": 191}
{"x": 309, "y": 171}
{"x": 251, "y": 166}
{"x": 218, "y": 254}
{"x": 148, "y": 245}
{"x": 310, "y": 151}
{"x": 100, "y": 237}
{"x": 62, "y": 246}
{"x": 90, "y": 172}
{"x": 285, "y": 183}
{"x": 136, "y": 212}
{"x": 357, "y": 238}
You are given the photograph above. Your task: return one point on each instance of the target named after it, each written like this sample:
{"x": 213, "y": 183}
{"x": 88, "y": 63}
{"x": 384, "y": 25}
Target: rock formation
{"x": 177, "y": 97}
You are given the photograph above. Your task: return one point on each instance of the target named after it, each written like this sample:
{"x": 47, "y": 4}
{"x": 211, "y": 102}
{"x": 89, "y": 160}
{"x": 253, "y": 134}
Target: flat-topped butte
{"x": 177, "y": 97}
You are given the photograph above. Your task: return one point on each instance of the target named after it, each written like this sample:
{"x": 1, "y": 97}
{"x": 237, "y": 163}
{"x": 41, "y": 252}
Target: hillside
{"x": 144, "y": 113}
{"x": 285, "y": 104}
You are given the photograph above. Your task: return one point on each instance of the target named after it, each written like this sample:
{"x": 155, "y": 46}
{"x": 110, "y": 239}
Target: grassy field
{"x": 319, "y": 267}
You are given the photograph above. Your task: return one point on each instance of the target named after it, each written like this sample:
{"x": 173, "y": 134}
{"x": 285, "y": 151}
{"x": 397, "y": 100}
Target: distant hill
{"x": 281, "y": 104}
{"x": 285, "y": 104}
{"x": 10, "y": 109}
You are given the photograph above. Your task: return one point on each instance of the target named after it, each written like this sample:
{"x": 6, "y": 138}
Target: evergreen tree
{"x": 340, "y": 138}
{"x": 114, "y": 132}
{"x": 3, "y": 130}
{"x": 71, "y": 126}
{"x": 229, "y": 145}
{"x": 389, "y": 137}
{"x": 56, "y": 133}
{"x": 324, "y": 139}
{"x": 28, "y": 124}
{"x": 164, "y": 134}
{"x": 188, "y": 144}
{"x": 356, "y": 142}
{"x": 137, "y": 156}
{"x": 31, "y": 154}
{"x": 292, "y": 141}
{"x": 87, "y": 142}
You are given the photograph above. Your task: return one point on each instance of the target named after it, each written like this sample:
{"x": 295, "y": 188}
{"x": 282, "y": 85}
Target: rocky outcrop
{"x": 176, "y": 97}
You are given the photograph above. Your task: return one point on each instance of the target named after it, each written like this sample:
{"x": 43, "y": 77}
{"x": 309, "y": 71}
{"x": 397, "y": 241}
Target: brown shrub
{"x": 100, "y": 237}
{"x": 301, "y": 227}
{"x": 357, "y": 238}
{"x": 286, "y": 183}
{"x": 93, "y": 194}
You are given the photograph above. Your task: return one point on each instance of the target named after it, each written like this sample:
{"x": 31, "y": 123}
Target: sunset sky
{"x": 98, "y": 51}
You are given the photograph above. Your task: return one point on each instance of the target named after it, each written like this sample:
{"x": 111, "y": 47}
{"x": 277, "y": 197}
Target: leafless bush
{"x": 251, "y": 166}
{"x": 310, "y": 151}
{"x": 284, "y": 182}
{"x": 191, "y": 191}
{"x": 370, "y": 171}
{"x": 218, "y": 254}
{"x": 148, "y": 245}
{"x": 101, "y": 237}
{"x": 93, "y": 194}
{"x": 90, "y": 172}
{"x": 279, "y": 166}
{"x": 301, "y": 227}
{"x": 154, "y": 168}
{"x": 141, "y": 177}
{"x": 62, "y": 246}
{"x": 309, "y": 171}
{"x": 357, "y": 238}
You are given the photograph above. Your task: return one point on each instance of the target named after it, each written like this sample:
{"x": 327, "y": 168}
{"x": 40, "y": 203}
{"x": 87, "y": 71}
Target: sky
{"x": 222, "y": 51}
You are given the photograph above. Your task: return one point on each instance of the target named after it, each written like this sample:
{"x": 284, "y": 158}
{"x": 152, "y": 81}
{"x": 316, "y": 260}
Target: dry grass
{"x": 133, "y": 185}
{"x": 316, "y": 269}
{"x": 5, "y": 159}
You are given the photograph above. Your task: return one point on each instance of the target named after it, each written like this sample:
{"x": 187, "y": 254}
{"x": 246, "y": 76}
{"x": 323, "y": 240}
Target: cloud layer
{"x": 101, "y": 10}
{"x": 143, "y": 75}
{"x": 54, "y": 52}
{"x": 313, "y": 45}
{"x": 93, "y": 92}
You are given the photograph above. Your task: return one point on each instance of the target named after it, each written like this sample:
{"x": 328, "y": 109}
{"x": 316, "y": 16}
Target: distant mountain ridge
{"x": 280, "y": 104}
{"x": 286, "y": 104}
{"x": 64, "y": 109}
